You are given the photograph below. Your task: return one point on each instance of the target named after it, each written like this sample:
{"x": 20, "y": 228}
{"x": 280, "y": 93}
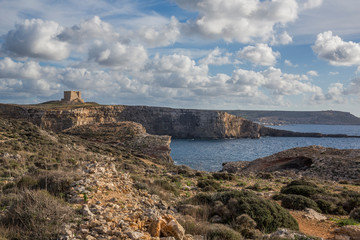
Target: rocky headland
{"x": 298, "y": 117}
{"x": 313, "y": 161}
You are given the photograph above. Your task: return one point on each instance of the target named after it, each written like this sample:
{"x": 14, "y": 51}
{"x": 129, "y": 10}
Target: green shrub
{"x": 303, "y": 190}
{"x": 221, "y": 232}
{"x": 208, "y": 184}
{"x": 223, "y": 176}
{"x": 326, "y": 206}
{"x": 347, "y": 221}
{"x": 298, "y": 202}
{"x": 268, "y": 215}
{"x": 302, "y": 182}
{"x": 36, "y": 215}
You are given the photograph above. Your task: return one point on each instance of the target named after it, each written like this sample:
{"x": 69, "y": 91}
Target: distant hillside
{"x": 298, "y": 117}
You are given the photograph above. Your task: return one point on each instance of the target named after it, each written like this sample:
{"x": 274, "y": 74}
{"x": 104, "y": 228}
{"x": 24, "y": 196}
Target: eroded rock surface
{"x": 312, "y": 161}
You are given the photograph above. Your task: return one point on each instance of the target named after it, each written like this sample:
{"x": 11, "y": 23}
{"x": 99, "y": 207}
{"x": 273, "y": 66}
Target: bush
{"x": 208, "y": 184}
{"x": 36, "y": 215}
{"x": 355, "y": 214}
{"x": 223, "y": 176}
{"x": 303, "y": 190}
{"x": 221, "y": 232}
{"x": 298, "y": 202}
{"x": 302, "y": 182}
{"x": 268, "y": 215}
{"x": 210, "y": 231}
{"x": 326, "y": 206}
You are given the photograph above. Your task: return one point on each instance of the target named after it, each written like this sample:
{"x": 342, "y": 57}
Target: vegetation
{"x": 229, "y": 205}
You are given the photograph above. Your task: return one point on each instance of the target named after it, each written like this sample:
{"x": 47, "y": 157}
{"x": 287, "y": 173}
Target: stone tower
{"x": 72, "y": 97}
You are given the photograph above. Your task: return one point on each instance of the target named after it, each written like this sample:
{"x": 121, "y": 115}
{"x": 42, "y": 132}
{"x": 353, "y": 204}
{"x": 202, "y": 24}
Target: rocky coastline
{"x": 177, "y": 123}
{"x": 97, "y": 176}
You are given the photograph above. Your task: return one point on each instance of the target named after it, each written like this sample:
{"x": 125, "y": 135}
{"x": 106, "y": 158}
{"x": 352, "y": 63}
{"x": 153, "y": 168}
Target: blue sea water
{"x": 210, "y": 154}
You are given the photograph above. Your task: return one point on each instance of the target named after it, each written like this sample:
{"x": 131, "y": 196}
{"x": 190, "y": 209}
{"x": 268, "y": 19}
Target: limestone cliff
{"x": 178, "y": 123}
{"x": 129, "y": 135}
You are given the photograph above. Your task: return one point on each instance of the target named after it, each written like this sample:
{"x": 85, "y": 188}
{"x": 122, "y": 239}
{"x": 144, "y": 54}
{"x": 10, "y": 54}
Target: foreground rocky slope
{"x": 312, "y": 161}
{"x": 97, "y": 185}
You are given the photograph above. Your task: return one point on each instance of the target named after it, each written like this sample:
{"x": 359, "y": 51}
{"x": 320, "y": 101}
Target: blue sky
{"x": 209, "y": 54}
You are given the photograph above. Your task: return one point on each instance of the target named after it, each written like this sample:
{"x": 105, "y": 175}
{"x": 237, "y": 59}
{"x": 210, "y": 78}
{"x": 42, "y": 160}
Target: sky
{"x": 298, "y": 55}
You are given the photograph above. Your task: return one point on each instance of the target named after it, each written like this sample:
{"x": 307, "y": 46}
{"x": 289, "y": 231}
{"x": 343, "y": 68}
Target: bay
{"x": 209, "y": 155}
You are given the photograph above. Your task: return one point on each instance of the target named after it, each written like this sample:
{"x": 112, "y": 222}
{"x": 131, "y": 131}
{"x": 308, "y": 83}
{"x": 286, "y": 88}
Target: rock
{"x": 135, "y": 235}
{"x": 86, "y": 211}
{"x": 172, "y": 228}
{"x": 312, "y": 214}
{"x": 348, "y": 232}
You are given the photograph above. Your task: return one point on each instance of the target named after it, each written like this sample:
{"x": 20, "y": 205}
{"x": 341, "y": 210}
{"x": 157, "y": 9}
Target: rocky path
{"x": 112, "y": 208}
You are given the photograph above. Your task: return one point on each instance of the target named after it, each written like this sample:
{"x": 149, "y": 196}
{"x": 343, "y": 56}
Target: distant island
{"x": 298, "y": 117}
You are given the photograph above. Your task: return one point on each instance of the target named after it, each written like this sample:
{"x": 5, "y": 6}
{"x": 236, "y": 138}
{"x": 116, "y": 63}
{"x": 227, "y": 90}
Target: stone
{"x": 312, "y": 214}
{"x": 172, "y": 228}
{"x": 135, "y": 235}
{"x": 86, "y": 211}
{"x": 348, "y": 232}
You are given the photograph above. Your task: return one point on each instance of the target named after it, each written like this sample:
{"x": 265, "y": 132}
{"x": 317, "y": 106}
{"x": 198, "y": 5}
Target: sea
{"x": 209, "y": 155}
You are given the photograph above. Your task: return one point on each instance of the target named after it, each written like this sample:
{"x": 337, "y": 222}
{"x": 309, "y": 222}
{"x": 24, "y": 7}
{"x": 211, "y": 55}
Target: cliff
{"x": 178, "y": 123}
{"x": 298, "y": 117}
{"x": 128, "y": 135}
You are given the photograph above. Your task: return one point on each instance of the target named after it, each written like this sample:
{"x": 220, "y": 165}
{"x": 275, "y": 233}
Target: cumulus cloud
{"x": 336, "y": 51}
{"x": 312, "y": 73}
{"x": 281, "y": 39}
{"x": 354, "y": 87}
{"x": 37, "y": 39}
{"x": 25, "y": 78}
{"x": 216, "y": 57}
{"x": 261, "y": 54}
{"x": 335, "y": 94}
{"x": 177, "y": 71}
{"x": 88, "y": 30}
{"x": 242, "y": 20}
{"x": 118, "y": 55}
{"x": 163, "y": 36}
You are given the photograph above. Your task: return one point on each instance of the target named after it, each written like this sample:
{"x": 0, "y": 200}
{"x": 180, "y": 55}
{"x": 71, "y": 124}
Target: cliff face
{"x": 298, "y": 117}
{"x": 178, "y": 123}
{"x": 129, "y": 135}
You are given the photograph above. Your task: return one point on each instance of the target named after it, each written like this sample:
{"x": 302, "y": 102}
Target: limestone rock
{"x": 312, "y": 214}
{"x": 348, "y": 232}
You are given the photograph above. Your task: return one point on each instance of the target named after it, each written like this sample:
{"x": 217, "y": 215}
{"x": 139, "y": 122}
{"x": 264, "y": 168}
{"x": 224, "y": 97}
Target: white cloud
{"x": 287, "y": 62}
{"x": 37, "y": 39}
{"x": 261, "y": 54}
{"x": 88, "y": 30}
{"x": 164, "y": 36}
{"x": 283, "y": 39}
{"x": 241, "y": 20}
{"x": 310, "y": 4}
{"x": 177, "y": 71}
{"x": 216, "y": 57}
{"x": 312, "y": 73}
{"x": 118, "y": 55}
{"x": 336, "y": 51}
{"x": 335, "y": 94}
{"x": 354, "y": 87}
{"x": 334, "y": 73}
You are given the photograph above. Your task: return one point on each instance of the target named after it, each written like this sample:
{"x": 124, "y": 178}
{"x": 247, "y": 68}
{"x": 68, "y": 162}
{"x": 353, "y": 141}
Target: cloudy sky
{"x": 210, "y": 54}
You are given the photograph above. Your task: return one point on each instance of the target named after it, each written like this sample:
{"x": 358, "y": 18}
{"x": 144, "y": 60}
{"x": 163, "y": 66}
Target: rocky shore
{"x": 313, "y": 161}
